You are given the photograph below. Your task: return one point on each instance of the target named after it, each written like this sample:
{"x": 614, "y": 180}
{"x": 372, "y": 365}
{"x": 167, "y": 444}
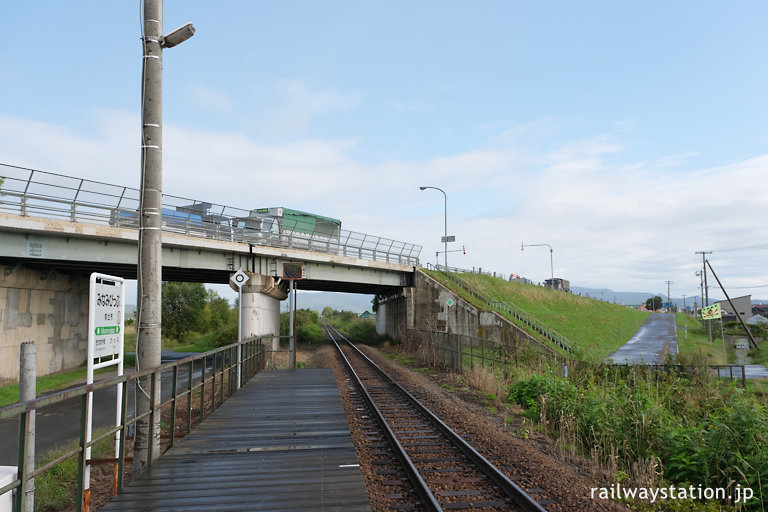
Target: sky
{"x": 625, "y": 136}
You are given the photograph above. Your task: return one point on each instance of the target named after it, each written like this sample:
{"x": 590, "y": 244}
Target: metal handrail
{"x": 251, "y": 362}
{"x": 515, "y": 312}
{"x": 30, "y": 192}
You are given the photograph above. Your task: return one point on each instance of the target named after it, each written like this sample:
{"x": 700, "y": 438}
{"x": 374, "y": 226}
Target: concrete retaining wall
{"x": 48, "y": 308}
{"x": 429, "y": 306}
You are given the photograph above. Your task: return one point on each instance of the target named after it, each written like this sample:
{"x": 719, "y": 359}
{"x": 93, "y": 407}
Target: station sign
{"x": 106, "y": 316}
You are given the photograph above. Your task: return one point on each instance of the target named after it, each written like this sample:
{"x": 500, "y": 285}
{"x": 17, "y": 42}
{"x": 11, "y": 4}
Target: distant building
{"x": 558, "y": 284}
{"x": 367, "y": 314}
{"x": 743, "y": 306}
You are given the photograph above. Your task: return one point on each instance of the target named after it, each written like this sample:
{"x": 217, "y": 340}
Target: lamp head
{"x": 178, "y": 36}
{"x": 422, "y": 188}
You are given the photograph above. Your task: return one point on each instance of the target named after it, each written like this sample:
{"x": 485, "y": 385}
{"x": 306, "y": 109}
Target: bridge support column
{"x": 261, "y": 307}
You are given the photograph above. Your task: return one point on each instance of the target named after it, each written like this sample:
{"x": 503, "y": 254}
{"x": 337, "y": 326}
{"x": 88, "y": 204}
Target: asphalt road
{"x": 651, "y": 343}
{"x": 60, "y": 423}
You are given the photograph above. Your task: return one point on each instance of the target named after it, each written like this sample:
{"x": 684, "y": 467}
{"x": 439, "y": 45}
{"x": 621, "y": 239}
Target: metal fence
{"x": 511, "y": 311}
{"x": 33, "y": 193}
{"x": 458, "y": 351}
{"x": 211, "y": 378}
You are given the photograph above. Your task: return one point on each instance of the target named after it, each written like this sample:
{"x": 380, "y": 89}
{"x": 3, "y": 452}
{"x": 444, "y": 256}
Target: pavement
{"x": 651, "y": 343}
{"x": 657, "y": 337}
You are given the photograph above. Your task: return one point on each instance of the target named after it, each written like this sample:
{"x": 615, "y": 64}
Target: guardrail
{"x": 513, "y": 311}
{"x": 217, "y": 382}
{"x": 33, "y": 193}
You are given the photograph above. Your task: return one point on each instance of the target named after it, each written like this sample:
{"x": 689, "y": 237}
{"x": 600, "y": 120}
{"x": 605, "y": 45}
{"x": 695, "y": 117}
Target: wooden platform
{"x": 281, "y": 443}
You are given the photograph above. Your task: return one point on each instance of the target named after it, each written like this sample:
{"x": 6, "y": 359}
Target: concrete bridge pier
{"x": 261, "y": 306}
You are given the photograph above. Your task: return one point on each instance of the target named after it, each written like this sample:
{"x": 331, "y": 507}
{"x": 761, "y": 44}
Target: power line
{"x": 750, "y": 248}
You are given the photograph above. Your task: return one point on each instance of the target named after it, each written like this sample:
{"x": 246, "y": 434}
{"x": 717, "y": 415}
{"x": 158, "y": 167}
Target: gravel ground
{"x": 562, "y": 480}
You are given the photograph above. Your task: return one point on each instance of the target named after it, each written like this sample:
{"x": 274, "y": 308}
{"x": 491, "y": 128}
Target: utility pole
{"x": 148, "y": 324}
{"x": 700, "y": 275}
{"x": 706, "y": 289}
{"x": 669, "y": 299}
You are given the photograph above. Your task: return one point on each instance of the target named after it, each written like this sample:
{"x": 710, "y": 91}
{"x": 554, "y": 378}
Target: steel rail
{"x": 417, "y": 481}
{"x": 514, "y": 492}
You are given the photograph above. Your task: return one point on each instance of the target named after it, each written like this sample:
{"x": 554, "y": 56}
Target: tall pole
{"x": 705, "y": 298}
{"x": 445, "y": 237}
{"x": 148, "y": 340}
{"x": 669, "y": 299}
{"x": 752, "y": 340}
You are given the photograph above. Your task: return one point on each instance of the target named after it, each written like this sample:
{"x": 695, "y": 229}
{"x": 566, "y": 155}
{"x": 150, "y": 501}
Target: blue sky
{"x": 626, "y": 135}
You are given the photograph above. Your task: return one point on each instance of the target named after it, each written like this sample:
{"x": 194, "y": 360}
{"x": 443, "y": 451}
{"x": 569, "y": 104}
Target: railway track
{"x": 419, "y": 458}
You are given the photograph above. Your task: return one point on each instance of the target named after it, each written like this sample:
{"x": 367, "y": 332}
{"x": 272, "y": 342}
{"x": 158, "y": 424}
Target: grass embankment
{"x": 648, "y": 429}
{"x": 596, "y": 328}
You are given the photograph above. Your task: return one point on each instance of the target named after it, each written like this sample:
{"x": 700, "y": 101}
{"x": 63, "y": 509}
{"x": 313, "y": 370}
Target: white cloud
{"x": 628, "y": 227}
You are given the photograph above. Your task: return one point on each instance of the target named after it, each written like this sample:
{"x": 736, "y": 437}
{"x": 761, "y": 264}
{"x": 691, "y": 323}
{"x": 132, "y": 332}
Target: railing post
{"x": 73, "y": 208}
{"x": 173, "y": 404}
{"x": 189, "y": 395}
{"x": 83, "y": 500}
{"x": 28, "y": 391}
{"x": 123, "y": 433}
{"x": 152, "y": 410}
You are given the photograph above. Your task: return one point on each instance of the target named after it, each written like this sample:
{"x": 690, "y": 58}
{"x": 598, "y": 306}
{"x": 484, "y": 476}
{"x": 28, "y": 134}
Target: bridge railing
{"x": 33, "y": 193}
{"x": 199, "y": 384}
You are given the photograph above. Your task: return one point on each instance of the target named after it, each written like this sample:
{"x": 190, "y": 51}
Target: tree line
{"x": 192, "y": 314}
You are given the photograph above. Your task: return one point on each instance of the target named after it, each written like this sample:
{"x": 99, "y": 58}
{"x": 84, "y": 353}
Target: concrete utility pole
{"x": 706, "y": 290}
{"x": 669, "y": 299}
{"x": 148, "y": 340}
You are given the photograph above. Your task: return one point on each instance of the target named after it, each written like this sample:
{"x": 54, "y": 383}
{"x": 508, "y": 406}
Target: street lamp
{"x": 445, "y": 238}
{"x": 551, "y": 265}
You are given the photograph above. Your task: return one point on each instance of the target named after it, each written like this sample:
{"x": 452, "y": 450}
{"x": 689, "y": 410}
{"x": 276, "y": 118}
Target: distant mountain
{"x": 637, "y": 298}
{"x": 607, "y": 295}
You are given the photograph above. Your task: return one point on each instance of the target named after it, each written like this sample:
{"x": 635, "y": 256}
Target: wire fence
{"x": 459, "y": 352}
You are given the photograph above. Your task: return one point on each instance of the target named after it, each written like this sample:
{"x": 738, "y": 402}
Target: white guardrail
{"x": 34, "y": 193}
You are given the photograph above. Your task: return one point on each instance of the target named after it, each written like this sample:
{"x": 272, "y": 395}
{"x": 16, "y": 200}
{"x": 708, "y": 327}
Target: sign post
{"x": 106, "y": 340}
{"x": 239, "y": 279}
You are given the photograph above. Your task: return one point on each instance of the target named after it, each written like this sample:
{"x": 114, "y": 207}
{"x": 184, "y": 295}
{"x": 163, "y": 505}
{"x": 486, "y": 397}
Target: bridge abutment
{"x": 47, "y": 307}
{"x": 429, "y": 306}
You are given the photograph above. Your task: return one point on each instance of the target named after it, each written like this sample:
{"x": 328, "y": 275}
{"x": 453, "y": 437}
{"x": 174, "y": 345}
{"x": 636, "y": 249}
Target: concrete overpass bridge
{"x": 55, "y": 230}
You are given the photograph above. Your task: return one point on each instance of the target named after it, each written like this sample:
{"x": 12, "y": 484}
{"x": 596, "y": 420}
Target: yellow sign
{"x": 711, "y": 312}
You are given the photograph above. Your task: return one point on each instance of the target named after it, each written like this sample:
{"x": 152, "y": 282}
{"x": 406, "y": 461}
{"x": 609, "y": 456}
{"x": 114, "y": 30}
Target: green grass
{"x": 596, "y": 328}
{"x": 55, "y": 488}
{"x": 693, "y": 343}
{"x": 9, "y": 393}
